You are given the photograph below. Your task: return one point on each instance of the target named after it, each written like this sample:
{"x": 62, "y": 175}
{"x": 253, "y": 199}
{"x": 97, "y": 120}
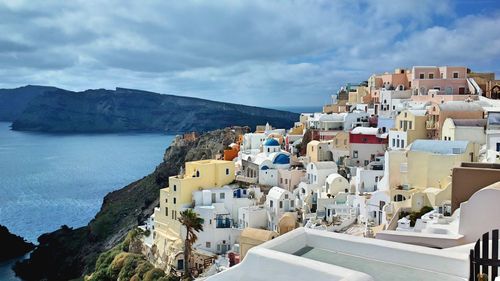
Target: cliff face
{"x": 14, "y": 101}
{"x": 134, "y": 110}
{"x": 68, "y": 253}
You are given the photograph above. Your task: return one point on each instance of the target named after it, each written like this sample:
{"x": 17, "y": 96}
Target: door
{"x": 461, "y": 91}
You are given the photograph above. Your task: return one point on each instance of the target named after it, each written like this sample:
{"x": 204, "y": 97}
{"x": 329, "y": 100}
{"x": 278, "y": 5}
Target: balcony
{"x": 222, "y": 221}
{"x": 431, "y": 125}
{"x": 246, "y": 179}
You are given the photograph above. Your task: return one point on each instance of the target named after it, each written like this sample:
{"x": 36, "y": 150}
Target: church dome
{"x": 271, "y": 142}
{"x": 282, "y": 159}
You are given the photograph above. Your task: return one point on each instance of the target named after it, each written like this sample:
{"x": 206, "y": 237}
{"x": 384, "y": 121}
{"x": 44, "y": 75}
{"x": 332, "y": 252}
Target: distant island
{"x": 49, "y": 109}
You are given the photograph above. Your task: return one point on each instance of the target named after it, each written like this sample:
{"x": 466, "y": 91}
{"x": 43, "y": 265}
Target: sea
{"x": 50, "y": 180}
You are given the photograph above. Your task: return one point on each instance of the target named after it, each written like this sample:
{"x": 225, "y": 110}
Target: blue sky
{"x": 261, "y": 52}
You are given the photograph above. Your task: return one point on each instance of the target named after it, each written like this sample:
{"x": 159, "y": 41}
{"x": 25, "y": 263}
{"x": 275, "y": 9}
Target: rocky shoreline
{"x": 12, "y": 246}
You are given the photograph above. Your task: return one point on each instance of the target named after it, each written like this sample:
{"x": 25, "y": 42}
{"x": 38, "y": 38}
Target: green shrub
{"x": 130, "y": 264}
{"x": 154, "y": 274}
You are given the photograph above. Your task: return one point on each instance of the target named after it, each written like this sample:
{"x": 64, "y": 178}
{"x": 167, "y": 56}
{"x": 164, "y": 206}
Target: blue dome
{"x": 271, "y": 142}
{"x": 282, "y": 159}
{"x": 264, "y": 167}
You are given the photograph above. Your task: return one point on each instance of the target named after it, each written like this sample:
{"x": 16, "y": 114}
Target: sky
{"x": 258, "y": 52}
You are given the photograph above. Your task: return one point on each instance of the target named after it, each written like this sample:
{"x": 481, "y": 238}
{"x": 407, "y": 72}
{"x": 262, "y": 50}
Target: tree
{"x": 193, "y": 223}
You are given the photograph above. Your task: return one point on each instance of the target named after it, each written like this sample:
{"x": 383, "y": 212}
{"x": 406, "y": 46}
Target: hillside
{"x": 14, "y": 101}
{"x": 68, "y": 253}
{"x": 123, "y": 110}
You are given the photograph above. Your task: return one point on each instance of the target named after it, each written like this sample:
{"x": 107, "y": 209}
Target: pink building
{"x": 447, "y": 80}
{"x": 400, "y": 79}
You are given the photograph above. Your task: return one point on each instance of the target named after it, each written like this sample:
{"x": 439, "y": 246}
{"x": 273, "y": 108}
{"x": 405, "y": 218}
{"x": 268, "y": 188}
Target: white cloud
{"x": 287, "y": 52}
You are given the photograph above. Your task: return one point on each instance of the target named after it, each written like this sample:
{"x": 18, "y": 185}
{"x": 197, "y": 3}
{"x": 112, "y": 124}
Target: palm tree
{"x": 193, "y": 223}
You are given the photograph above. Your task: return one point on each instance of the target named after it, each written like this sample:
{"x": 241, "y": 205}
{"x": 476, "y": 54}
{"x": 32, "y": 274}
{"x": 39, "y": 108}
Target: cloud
{"x": 268, "y": 53}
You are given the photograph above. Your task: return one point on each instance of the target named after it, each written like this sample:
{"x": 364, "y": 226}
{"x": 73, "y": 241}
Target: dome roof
{"x": 282, "y": 159}
{"x": 271, "y": 142}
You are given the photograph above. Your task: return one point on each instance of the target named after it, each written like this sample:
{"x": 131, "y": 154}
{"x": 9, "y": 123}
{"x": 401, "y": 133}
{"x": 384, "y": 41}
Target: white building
{"x": 219, "y": 210}
{"x": 278, "y": 202}
{"x": 335, "y": 184}
{"x": 393, "y": 102}
{"x": 253, "y": 216}
{"x": 317, "y": 172}
{"x": 356, "y": 119}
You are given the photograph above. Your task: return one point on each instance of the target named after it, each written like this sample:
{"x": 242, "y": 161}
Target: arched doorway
{"x": 495, "y": 92}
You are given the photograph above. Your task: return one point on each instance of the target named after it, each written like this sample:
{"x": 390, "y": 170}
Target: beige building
{"x": 473, "y": 130}
{"x": 251, "y": 237}
{"x": 409, "y": 126}
{"x": 319, "y": 151}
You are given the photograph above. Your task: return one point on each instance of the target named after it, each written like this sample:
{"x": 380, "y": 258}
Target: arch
{"x": 449, "y": 90}
{"x": 495, "y": 92}
{"x": 401, "y": 87}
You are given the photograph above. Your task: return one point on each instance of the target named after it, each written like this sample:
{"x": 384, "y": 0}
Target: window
{"x": 442, "y": 75}
{"x": 166, "y": 200}
{"x": 402, "y": 143}
{"x": 398, "y": 143}
{"x": 437, "y": 88}
{"x": 166, "y": 211}
{"x": 227, "y": 171}
{"x": 376, "y": 179}
{"x": 292, "y": 203}
{"x": 409, "y": 124}
{"x": 286, "y": 181}
{"x": 281, "y": 180}
{"x": 173, "y": 213}
{"x": 431, "y": 75}
{"x": 286, "y": 196}
{"x": 197, "y": 174}
{"x": 208, "y": 245}
{"x": 455, "y": 75}
{"x": 271, "y": 203}
{"x": 222, "y": 195}
{"x": 355, "y": 154}
{"x": 400, "y": 124}
{"x": 268, "y": 149}
{"x": 175, "y": 200}
{"x": 281, "y": 204}
{"x": 175, "y": 187}
{"x": 393, "y": 142}
{"x": 422, "y": 76}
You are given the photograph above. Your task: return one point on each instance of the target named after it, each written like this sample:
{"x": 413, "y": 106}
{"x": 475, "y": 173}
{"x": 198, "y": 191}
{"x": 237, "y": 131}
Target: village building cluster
{"x": 409, "y": 156}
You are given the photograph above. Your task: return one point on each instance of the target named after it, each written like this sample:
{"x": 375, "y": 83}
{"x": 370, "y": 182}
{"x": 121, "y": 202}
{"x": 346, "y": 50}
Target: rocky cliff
{"x": 14, "y": 101}
{"x": 11, "y": 245}
{"x": 134, "y": 110}
{"x": 68, "y": 253}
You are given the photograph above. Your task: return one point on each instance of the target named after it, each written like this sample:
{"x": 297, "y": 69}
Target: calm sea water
{"x": 48, "y": 180}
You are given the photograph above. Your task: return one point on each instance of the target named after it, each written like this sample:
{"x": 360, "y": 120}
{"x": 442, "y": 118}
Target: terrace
{"x": 303, "y": 254}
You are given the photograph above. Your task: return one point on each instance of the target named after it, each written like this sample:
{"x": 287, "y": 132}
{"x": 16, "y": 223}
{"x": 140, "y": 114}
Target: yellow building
{"x": 198, "y": 175}
{"x": 409, "y": 126}
{"x": 426, "y": 167}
